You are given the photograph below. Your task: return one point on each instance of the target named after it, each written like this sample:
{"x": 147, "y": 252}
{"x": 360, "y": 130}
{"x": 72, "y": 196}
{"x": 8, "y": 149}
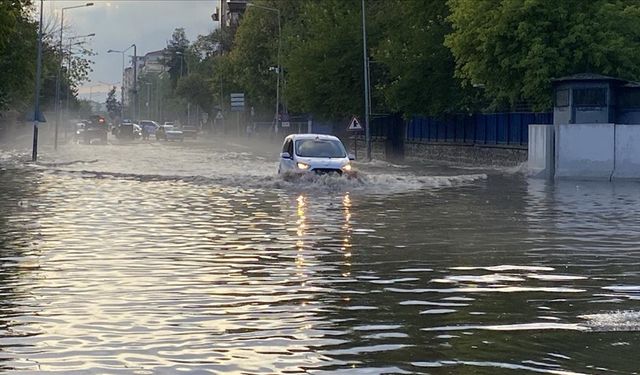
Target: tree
{"x": 174, "y": 56}
{"x": 514, "y": 47}
{"x": 420, "y": 78}
{"x": 114, "y": 107}
{"x": 18, "y": 35}
{"x": 18, "y": 38}
{"x": 324, "y": 59}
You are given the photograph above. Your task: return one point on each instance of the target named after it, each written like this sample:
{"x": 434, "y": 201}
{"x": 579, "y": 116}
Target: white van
{"x": 318, "y": 153}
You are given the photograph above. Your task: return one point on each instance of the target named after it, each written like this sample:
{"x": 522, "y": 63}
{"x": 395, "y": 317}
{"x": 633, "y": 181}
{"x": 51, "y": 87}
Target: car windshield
{"x": 320, "y": 148}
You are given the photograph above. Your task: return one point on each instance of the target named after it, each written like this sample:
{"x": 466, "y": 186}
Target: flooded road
{"x": 196, "y": 258}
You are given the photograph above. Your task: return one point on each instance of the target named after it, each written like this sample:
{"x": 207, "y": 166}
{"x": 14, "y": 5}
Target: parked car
{"x": 95, "y": 129}
{"x": 148, "y": 128}
{"x": 169, "y": 133}
{"x": 190, "y": 131}
{"x": 318, "y": 153}
{"x": 127, "y": 130}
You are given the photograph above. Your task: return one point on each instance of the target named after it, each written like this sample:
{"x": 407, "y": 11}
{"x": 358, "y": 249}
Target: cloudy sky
{"x": 120, "y": 23}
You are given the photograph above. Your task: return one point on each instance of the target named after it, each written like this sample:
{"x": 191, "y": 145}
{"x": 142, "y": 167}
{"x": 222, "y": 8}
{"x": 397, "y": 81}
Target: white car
{"x": 319, "y": 153}
{"x": 169, "y": 133}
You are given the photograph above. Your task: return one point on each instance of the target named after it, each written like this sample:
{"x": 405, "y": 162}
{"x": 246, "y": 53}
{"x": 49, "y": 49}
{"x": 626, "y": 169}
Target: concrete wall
{"x": 628, "y": 116}
{"x": 584, "y": 151}
{"x": 541, "y": 151}
{"x": 627, "y": 152}
{"x": 453, "y": 153}
{"x": 466, "y": 154}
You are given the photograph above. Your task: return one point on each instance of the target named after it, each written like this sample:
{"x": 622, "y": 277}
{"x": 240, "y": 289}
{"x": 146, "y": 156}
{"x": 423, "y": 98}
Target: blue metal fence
{"x": 491, "y": 129}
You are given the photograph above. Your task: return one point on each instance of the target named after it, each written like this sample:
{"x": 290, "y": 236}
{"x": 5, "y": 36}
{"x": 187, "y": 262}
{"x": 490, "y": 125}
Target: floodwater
{"x": 196, "y": 258}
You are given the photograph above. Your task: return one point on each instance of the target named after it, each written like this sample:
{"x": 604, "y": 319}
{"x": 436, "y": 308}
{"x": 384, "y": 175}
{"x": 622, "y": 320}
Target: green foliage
{"x": 18, "y": 46}
{"x": 254, "y": 55}
{"x": 420, "y": 68}
{"x": 17, "y": 53}
{"x": 175, "y": 58}
{"x": 324, "y": 59}
{"x": 514, "y": 47}
{"x": 196, "y": 89}
{"x": 114, "y": 107}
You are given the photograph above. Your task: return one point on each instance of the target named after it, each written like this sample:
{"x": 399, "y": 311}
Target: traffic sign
{"x": 237, "y": 102}
{"x": 285, "y": 124}
{"x": 354, "y": 125}
{"x": 219, "y": 116}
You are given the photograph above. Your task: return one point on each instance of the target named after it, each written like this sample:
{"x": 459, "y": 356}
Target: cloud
{"x": 148, "y": 24}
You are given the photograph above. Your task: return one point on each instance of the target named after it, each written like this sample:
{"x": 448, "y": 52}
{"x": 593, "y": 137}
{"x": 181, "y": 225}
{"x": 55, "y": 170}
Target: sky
{"x": 120, "y": 23}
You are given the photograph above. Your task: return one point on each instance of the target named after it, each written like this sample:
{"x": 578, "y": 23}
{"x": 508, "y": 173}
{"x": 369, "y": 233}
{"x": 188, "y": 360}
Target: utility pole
{"x": 58, "y": 103}
{"x": 36, "y": 109}
{"x": 279, "y": 67}
{"x": 148, "y": 84}
{"x": 366, "y": 83}
{"x": 135, "y": 81}
{"x": 66, "y": 111}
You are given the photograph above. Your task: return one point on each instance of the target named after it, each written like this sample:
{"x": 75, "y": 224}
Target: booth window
{"x": 562, "y": 98}
{"x": 629, "y": 99}
{"x": 591, "y": 97}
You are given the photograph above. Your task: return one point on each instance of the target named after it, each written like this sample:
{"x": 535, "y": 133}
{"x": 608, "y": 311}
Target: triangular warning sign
{"x": 354, "y": 125}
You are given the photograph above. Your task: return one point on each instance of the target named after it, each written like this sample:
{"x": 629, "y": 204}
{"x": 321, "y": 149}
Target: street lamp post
{"x": 122, "y": 85}
{"x": 66, "y": 127}
{"x": 366, "y": 84}
{"x": 135, "y": 80}
{"x": 279, "y": 68}
{"x": 181, "y": 54}
{"x": 148, "y": 102}
{"x": 59, "y": 76}
{"x": 36, "y": 107}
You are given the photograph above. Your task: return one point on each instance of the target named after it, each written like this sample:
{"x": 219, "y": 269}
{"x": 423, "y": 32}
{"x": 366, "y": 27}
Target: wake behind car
{"x": 318, "y": 153}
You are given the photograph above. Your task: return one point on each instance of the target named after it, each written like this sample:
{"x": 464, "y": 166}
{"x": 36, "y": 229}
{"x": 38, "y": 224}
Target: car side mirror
{"x": 352, "y": 157}
{"x": 285, "y": 155}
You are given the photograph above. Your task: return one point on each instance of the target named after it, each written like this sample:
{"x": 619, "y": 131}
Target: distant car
{"x": 169, "y": 133}
{"x": 319, "y": 153}
{"x": 127, "y": 130}
{"x": 148, "y": 128}
{"x": 94, "y": 129}
{"x": 190, "y": 131}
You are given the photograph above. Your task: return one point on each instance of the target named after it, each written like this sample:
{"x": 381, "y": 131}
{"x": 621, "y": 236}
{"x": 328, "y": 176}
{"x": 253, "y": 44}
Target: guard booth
{"x": 585, "y": 99}
{"x": 595, "y": 133}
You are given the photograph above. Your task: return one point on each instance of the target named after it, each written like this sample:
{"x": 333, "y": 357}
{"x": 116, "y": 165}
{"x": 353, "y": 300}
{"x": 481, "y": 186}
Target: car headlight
{"x": 303, "y": 166}
{"x": 346, "y": 167}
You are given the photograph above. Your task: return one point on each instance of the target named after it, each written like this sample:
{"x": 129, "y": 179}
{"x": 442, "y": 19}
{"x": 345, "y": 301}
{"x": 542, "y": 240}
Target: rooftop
{"x": 588, "y": 77}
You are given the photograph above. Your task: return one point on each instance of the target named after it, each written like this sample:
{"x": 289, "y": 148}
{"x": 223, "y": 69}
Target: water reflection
{"x": 120, "y": 275}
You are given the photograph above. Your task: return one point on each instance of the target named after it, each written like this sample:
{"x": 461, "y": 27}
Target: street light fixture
{"x": 58, "y": 77}
{"x": 66, "y": 111}
{"x": 122, "y": 85}
{"x": 279, "y": 68}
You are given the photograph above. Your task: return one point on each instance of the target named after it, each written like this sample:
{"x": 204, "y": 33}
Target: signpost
{"x": 237, "y": 102}
{"x": 355, "y": 127}
{"x": 237, "y": 105}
